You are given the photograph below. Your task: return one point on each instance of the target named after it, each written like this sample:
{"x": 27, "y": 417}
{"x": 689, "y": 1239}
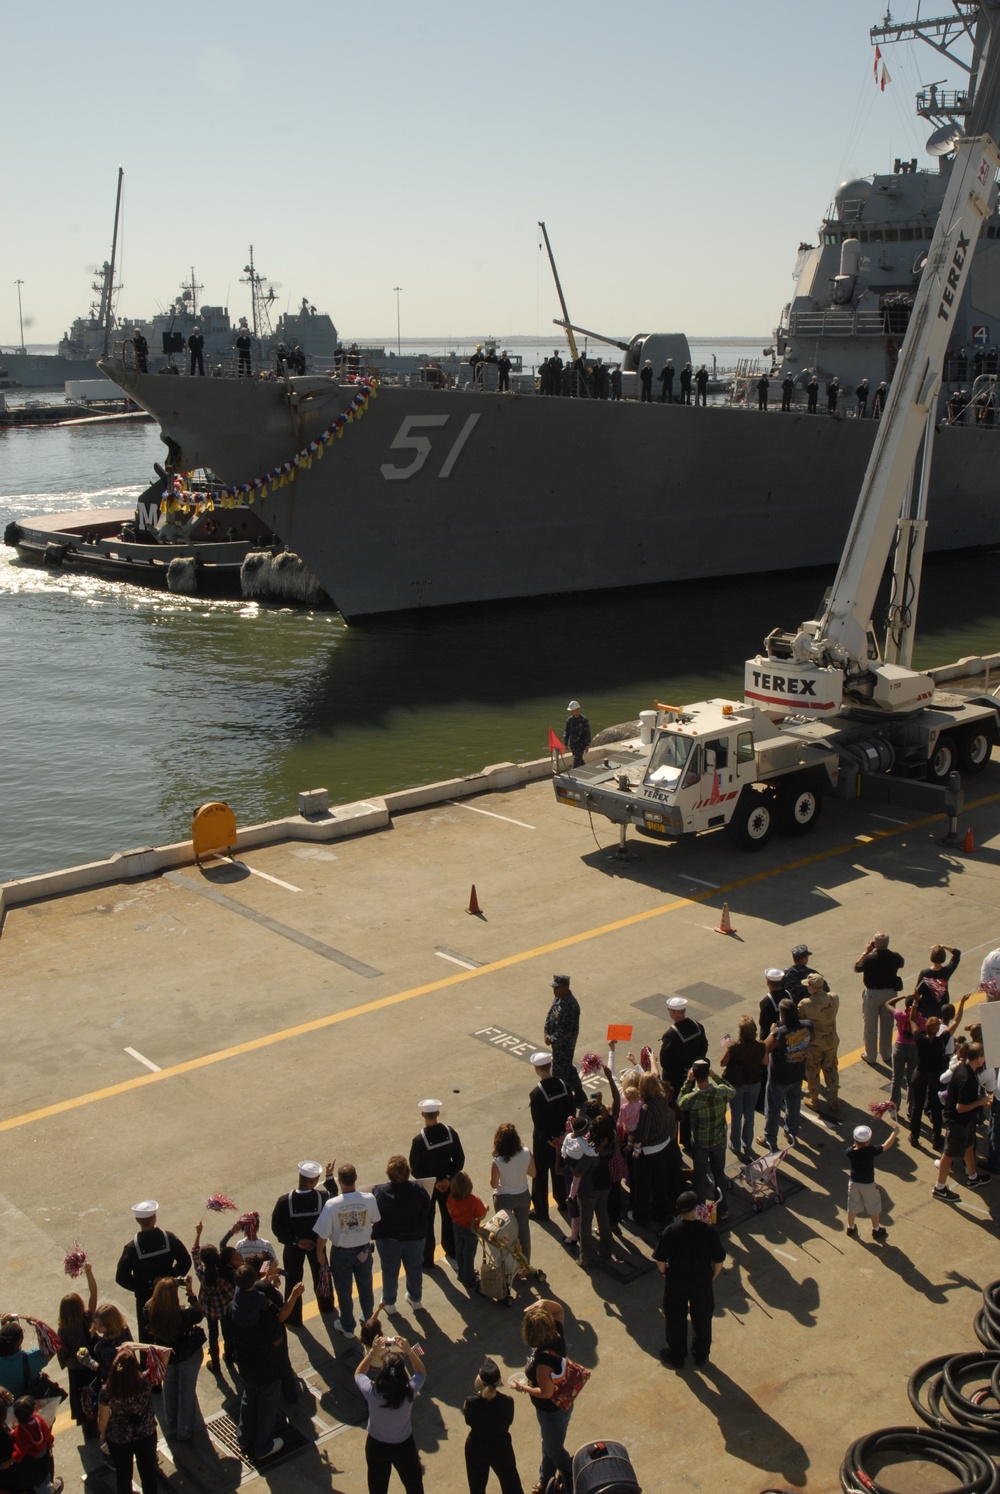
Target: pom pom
{"x": 990, "y": 988}
{"x": 248, "y": 1225}
{"x": 219, "y": 1203}
{"x": 591, "y": 1065}
{"x": 48, "y": 1339}
{"x": 881, "y": 1107}
{"x": 76, "y": 1259}
{"x": 646, "y": 1060}
{"x": 324, "y": 1282}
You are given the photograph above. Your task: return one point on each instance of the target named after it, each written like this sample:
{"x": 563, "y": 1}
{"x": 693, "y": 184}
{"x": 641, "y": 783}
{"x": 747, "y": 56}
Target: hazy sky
{"x": 677, "y": 151}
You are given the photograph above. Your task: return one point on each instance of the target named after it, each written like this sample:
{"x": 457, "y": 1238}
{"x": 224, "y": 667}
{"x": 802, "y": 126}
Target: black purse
{"x": 43, "y": 1387}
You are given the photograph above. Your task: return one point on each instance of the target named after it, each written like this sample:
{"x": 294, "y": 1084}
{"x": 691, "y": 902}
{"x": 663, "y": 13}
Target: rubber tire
{"x": 790, "y": 802}
{"x": 944, "y": 759}
{"x": 752, "y": 823}
{"x": 974, "y": 750}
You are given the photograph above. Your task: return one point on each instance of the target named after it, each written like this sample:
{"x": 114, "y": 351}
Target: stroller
{"x": 761, "y": 1178}
{"x": 502, "y": 1259}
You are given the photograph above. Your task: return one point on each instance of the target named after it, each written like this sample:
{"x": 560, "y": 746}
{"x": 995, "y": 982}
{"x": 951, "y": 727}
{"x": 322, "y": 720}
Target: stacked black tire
{"x": 957, "y": 1397}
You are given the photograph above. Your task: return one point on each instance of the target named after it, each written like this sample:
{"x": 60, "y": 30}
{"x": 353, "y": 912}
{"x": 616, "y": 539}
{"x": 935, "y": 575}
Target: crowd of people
{"x": 647, "y": 1144}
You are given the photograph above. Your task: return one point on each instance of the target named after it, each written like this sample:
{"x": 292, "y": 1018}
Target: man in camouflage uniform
{"x": 576, "y": 733}
{"x": 820, "y": 1006}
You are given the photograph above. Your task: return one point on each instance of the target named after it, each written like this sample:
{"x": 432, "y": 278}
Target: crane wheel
{"x": 753, "y": 819}
{"x": 974, "y": 749}
{"x": 943, "y": 760}
{"x": 799, "y": 807}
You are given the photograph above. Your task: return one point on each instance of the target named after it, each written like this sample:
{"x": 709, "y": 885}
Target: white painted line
{"x": 785, "y": 1256}
{"x": 473, "y": 810}
{"x": 139, "y": 1058}
{"x": 700, "y": 880}
{"x": 889, "y": 819}
{"x": 288, "y": 886}
{"x": 974, "y": 1210}
{"x": 990, "y": 943}
{"x": 455, "y": 960}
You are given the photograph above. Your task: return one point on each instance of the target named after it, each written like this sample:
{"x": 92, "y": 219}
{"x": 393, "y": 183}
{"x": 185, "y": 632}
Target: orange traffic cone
{"x": 725, "y": 927}
{"x": 970, "y": 844}
{"x": 473, "y": 902}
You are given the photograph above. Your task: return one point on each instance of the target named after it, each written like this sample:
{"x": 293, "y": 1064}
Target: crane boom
{"x": 969, "y": 200}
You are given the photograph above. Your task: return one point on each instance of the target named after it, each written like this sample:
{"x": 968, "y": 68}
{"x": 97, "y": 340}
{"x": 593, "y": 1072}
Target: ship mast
{"x": 565, "y": 323}
{"x": 106, "y": 315}
{"x": 261, "y": 298}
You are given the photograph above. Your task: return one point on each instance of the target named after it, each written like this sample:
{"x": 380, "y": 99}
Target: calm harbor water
{"x": 124, "y": 709}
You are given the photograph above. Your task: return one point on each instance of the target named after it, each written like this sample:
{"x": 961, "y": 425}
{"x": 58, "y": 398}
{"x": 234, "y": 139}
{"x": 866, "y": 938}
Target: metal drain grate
{"x": 222, "y": 1430}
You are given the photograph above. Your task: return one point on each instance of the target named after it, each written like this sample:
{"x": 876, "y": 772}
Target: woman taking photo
{"x": 542, "y": 1329}
{"x": 512, "y": 1167}
{"x": 390, "y": 1395}
{"x": 110, "y": 1332}
{"x": 126, "y": 1422}
{"x": 178, "y": 1329}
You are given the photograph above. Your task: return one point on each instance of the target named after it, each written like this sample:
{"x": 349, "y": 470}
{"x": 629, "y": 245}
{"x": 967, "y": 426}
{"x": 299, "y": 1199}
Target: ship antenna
{"x": 109, "y": 269}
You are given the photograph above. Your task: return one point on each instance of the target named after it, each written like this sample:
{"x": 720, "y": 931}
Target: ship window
{"x": 891, "y": 236}
{"x": 929, "y": 233}
{"x": 863, "y": 236}
{"x": 877, "y": 236}
{"x": 906, "y": 235}
{"x": 829, "y": 238}
{"x": 669, "y": 756}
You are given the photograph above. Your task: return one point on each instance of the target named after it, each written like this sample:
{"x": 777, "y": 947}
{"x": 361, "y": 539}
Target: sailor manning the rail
{"x": 436, "y": 1152}
{"x": 576, "y": 733}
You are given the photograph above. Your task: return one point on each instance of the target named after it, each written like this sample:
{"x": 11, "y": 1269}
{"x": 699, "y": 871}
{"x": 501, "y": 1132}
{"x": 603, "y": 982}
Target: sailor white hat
{"x": 862, "y": 1133}
{"x": 574, "y": 705}
{"x": 676, "y": 1004}
{"x": 429, "y": 1107}
{"x": 772, "y": 973}
{"x": 146, "y": 1209}
{"x": 541, "y": 1059}
{"x": 310, "y": 1169}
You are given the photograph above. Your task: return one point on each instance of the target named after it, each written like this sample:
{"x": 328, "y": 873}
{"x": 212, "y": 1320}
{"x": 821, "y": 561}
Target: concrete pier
{"x": 180, "y": 1031}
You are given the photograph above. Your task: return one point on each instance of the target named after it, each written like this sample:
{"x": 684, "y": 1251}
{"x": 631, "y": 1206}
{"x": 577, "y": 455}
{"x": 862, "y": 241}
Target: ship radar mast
{"x": 263, "y": 294}
{"x": 191, "y": 294}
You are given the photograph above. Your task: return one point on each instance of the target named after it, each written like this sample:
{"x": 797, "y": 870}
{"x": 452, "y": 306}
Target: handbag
{"x": 568, "y": 1384}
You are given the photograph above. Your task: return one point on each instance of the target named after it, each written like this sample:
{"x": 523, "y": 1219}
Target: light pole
{"x": 399, "y": 345}
{"x": 20, "y": 318}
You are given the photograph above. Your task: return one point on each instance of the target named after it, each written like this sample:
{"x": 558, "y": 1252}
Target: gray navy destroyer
{"x": 440, "y": 496}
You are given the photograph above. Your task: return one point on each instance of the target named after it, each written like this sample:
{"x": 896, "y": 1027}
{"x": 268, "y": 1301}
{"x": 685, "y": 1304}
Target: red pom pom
{"x": 76, "y": 1259}
{"x": 249, "y": 1225}
{"x": 881, "y": 1107}
{"x": 591, "y": 1065}
{"x": 219, "y": 1203}
{"x": 646, "y": 1059}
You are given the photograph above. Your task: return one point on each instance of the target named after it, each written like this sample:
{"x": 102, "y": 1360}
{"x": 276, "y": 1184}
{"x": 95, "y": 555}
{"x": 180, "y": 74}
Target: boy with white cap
{"x": 152, "y": 1252}
{"x": 436, "y": 1152}
{"x": 863, "y": 1196}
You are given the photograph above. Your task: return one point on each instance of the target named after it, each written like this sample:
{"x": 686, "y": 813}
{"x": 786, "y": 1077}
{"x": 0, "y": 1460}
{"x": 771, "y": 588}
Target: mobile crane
{"x": 823, "y": 713}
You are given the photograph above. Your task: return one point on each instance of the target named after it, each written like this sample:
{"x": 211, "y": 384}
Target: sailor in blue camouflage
{"x": 576, "y": 733}
{"x": 562, "y": 1028}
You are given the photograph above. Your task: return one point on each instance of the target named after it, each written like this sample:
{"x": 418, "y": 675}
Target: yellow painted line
{"x": 333, "y": 1019}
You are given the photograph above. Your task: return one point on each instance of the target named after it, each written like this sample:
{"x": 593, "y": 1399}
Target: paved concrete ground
{"x": 301, "y": 1005}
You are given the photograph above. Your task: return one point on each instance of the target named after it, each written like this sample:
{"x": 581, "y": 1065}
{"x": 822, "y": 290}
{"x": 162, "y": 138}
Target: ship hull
{"x": 437, "y": 498}
{"x": 46, "y": 370}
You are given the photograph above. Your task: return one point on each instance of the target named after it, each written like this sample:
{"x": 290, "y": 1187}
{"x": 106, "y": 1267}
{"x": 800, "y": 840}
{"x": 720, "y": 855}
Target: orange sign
{"x": 619, "y": 1034}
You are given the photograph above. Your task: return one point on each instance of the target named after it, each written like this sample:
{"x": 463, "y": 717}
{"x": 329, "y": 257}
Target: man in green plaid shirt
{"x": 706, "y": 1099}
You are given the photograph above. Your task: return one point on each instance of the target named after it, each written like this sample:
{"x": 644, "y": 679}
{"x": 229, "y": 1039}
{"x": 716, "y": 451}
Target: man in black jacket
{"x": 196, "y": 347}
{"x": 879, "y": 968}
{"x": 254, "y": 1338}
{"x": 405, "y": 1212}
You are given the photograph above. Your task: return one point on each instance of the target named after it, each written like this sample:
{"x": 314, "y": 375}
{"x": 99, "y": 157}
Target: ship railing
{"x": 845, "y": 323}
{"x": 979, "y": 408}
{"x": 934, "y": 101}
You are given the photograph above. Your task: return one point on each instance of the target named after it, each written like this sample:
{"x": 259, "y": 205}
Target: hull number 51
{"x": 405, "y": 439}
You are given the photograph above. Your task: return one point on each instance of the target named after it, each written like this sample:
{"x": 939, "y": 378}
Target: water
{"x": 124, "y": 709}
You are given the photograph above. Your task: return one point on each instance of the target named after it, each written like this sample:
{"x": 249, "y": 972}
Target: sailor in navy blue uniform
{"x": 551, "y": 1103}
{"x": 152, "y": 1253}
{"x": 293, "y": 1221}
{"x": 436, "y": 1152}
